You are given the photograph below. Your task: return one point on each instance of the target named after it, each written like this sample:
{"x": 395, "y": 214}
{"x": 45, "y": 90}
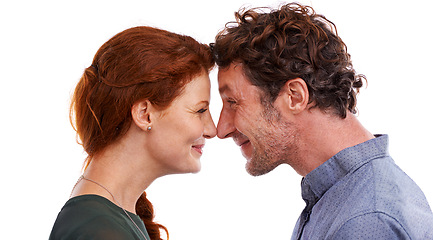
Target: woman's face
{"x": 178, "y": 135}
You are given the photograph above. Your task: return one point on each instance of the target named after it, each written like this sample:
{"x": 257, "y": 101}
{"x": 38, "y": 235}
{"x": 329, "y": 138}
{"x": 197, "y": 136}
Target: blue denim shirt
{"x": 360, "y": 193}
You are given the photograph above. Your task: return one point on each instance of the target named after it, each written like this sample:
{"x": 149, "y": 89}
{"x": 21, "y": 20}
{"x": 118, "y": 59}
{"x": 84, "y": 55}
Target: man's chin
{"x": 257, "y": 168}
{"x": 255, "y": 173}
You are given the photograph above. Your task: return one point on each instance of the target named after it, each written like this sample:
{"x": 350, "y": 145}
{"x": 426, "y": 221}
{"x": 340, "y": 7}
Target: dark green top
{"x": 95, "y": 217}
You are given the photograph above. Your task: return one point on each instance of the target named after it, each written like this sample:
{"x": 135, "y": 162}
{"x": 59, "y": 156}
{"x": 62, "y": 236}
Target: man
{"x": 289, "y": 97}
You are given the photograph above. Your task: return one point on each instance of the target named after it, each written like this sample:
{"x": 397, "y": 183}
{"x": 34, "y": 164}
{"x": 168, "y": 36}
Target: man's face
{"x": 265, "y": 139}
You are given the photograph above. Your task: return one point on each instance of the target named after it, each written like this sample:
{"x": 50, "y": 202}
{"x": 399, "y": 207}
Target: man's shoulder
{"x": 381, "y": 225}
{"x": 378, "y": 195}
{"x": 370, "y": 225}
{"x": 379, "y": 186}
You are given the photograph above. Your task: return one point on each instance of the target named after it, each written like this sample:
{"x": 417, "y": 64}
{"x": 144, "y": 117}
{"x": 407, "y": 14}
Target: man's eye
{"x": 202, "y": 110}
{"x": 231, "y": 102}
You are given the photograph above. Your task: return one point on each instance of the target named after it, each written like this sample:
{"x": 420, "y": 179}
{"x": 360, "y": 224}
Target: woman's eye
{"x": 202, "y": 110}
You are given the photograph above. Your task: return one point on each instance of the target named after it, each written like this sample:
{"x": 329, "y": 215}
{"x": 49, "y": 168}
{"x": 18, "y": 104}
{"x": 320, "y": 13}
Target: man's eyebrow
{"x": 224, "y": 88}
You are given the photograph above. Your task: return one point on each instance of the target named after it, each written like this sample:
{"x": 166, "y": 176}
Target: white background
{"x": 45, "y": 46}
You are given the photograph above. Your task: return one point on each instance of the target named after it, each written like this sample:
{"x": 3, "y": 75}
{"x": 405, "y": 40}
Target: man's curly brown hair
{"x": 287, "y": 43}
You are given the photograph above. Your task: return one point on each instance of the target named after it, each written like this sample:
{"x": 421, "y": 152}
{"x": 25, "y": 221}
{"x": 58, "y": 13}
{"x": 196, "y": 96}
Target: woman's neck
{"x": 118, "y": 176}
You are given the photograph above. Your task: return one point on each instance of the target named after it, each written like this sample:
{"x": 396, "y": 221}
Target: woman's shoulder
{"x": 89, "y": 217}
{"x": 89, "y": 204}
{"x": 87, "y": 207}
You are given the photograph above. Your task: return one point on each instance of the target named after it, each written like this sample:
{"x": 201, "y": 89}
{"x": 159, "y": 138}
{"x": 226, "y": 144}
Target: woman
{"x": 141, "y": 112}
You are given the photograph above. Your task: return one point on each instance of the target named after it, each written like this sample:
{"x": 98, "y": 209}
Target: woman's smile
{"x": 198, "y": 148}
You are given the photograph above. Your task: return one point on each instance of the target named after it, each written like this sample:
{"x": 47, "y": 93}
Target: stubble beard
{"x": 274, "y": 145}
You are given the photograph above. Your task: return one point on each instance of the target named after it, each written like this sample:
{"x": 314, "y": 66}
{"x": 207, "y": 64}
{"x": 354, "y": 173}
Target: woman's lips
{"x": 198, "y": 148}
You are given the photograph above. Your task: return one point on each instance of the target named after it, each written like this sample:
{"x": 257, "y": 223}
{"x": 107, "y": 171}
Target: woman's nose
{"x": 210, "y": 130}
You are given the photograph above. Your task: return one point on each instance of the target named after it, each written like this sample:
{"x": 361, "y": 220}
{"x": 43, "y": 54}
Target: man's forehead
{"x": 233, "y": 83}
{"x": 229, "y": 76}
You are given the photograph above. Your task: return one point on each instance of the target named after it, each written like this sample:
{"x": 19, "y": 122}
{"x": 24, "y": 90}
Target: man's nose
{"x": 225, "y": 125}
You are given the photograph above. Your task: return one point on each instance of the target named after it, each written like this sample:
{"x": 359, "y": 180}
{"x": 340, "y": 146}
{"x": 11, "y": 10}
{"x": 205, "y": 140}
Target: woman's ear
{"x": 141, "y": 114}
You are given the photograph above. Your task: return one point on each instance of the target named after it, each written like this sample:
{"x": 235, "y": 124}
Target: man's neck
{"x": 324, "y": 135}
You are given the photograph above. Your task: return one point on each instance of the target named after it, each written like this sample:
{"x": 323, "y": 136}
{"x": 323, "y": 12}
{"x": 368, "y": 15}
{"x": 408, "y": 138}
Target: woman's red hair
{"x": 138, "y": 63}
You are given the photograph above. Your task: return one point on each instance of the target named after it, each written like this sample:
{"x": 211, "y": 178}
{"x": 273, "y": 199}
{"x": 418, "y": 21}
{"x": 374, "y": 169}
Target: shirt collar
{"x": 318, "y": 181}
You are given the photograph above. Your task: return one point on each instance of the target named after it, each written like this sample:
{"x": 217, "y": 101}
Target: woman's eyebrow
{"x": 204, "y": 101}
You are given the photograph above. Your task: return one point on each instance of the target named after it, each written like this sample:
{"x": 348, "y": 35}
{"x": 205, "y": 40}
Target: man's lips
{"x": 245, "y": 148}
{"x": 240, "y": 140}
{"x": 240, "y": 144}
{"x": 244, "y": 143}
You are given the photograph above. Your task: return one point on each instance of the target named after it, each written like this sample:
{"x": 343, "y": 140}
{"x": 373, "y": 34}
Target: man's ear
{"x": 294, "y": 95}
{"x": 141, "y": 114}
